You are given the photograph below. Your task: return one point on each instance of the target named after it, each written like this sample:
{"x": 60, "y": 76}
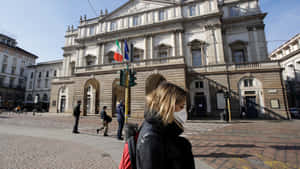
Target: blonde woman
{"x": 159, "y": 145}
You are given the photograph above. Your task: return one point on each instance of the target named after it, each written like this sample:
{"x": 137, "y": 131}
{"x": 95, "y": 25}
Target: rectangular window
{"x": 13, "y": 70}
{"x": 46, "y": 83}
{"x": 197, "y": 57}
{"x": 47, "y": 74}
{"x": 40, "y": 74}
{"x": 192, "y": 10}
{"x": 22, "y": 72}
{"x": 31, "y": 76}
{"x": 135, "y": 21}
{"x": 11, "y": 82}
{"x": 4, "y": 68}
{"x": 92, "y": 30}
{"x": 248, "y": 83}
{"x": 2, "y": 81}
{"x": 161, "y": 15}
{"x": 38, "y": 83}
{"x": 30, "y": 85}
{"x": 199, "y": 84}
{"x": 239, "y": 56}
{"x": 113, "y": 26}
{"x": 234, "y": 11}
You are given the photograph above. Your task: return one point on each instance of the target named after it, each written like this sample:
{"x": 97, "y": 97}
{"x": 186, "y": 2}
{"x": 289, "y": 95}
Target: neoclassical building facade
{"x": 205, "y": 46}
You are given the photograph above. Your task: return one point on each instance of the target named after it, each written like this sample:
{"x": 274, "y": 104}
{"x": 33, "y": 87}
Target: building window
{"x": 161, "y": 15}
{"x": 192, "y": 10}
{"x": 54, "y": 73}
{"x": 248, "y": 83}
{"x": 199, "y": 84}
{"x": 197, "y": 57}
{"x": 113, "y": 26}
{"x": 47, "y": 74}
{"x": 239, "y": 56}
{"x": 2, "y": 79}
{"x": 234, "y": 11}
{"x": 135, "y": 20}
{"x": 45, "y": 98}
{"x": 11, "y": 82}
{"x": 22, "y": 72}
{"x": 29, "y": 97}
{"x": 21, "y": 82}
{"x": 239, "y": 51}
{"x": 46, "y": 83}
{"x": 30, "y": 85}
{"x": 39, "y": 84}
{"x": 4, "y": 66}
{"x": 13, "y": 70}
{"x": 31, "y": 76}
{"x": 40, "y": 74}
{"x": 92, "y": 30}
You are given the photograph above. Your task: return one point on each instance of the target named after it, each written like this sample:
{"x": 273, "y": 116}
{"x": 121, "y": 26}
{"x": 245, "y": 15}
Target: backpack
{"x": 128, "y": 160}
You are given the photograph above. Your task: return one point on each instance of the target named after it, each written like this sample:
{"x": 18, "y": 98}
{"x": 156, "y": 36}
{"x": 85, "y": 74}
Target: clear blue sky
{"x": 39, "y": 25}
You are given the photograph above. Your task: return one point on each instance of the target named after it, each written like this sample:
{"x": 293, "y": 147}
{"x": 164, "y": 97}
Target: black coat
{"x": 76, "y": 111}
{"x": 159, "y": 146}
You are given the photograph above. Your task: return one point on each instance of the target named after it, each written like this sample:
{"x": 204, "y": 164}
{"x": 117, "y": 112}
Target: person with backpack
{"x": 76, "y": 114}
{"x": 121, "y": 118}
{"x": 159, "y": 145}
{"x": 105, "y": 120}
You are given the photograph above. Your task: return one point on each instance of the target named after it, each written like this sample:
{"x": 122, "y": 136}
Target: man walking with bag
{"x": 76, "y": 114}
{"x": 105, "y": 120}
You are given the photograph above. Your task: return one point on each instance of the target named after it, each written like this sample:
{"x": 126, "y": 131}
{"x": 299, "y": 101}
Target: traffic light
{"x": 122, "y": 78}
{"x": 132, "y": 78}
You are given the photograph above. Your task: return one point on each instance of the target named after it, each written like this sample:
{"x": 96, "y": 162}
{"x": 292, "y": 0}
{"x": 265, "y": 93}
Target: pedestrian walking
{"x": 121, "y": 118}
{"x": 76, "y": 114}
{"x": 105, "y": 121}
{"x": 159, "y": 145}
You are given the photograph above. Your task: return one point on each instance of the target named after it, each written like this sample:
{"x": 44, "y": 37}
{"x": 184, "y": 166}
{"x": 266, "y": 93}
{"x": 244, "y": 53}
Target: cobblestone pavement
{"x": 248, "y": 145}
{"x": 23, "y": 152}
{"x": 239, "y": 145}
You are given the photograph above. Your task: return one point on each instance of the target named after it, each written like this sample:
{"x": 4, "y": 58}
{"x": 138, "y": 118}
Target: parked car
{"x": 295, "y": 113}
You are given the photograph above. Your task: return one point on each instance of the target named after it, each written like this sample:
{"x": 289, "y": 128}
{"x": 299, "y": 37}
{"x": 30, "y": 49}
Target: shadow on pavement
{"x": 239, "y": 146}
{"x": 286, "y": 147}
{"x": 223, "y": 155}
{"x": 4, "y": 117}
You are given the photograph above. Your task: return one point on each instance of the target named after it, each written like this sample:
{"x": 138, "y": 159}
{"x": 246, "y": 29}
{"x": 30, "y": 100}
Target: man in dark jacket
{"x": 76, "y": 114}
{"x": 105, "y": 120}
{"x": 121, "y": 119}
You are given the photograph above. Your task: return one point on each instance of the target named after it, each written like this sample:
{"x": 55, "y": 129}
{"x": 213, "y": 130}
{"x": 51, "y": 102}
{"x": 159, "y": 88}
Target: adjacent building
{"x": 289, "y": 56}
{"x": 38, "y": 84}
{"x": 208, "y": 47}
{"x": 13, "y": 63}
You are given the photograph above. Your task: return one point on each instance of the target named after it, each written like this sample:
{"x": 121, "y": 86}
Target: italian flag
{"x": 118, "y": 54}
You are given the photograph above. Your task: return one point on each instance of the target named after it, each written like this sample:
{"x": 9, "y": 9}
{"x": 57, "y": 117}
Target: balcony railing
{"x": 136, "y": 64}
{"x": 237, "y": 67}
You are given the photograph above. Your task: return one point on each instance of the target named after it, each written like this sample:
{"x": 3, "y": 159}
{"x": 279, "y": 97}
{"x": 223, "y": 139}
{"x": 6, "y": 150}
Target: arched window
{"x": 54, "y": 73}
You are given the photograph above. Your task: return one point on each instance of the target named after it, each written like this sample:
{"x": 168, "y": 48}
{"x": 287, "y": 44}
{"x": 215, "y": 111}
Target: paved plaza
{"x": 46, "y": 141}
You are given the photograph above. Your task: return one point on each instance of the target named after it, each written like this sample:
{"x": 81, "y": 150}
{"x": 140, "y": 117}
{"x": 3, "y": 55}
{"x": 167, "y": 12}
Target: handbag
{"x": 108, "y": 119}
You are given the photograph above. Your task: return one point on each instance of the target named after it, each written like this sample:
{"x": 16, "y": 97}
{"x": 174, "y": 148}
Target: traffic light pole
{"x": 126, "y": 95}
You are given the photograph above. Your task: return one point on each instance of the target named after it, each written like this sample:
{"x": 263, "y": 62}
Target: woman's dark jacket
{"x": 159, "y": 146}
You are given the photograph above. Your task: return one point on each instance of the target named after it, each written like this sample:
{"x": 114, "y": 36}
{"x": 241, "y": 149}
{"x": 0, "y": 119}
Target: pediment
{"x": 137, "y": 6}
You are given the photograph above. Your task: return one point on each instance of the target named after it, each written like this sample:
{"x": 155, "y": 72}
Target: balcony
{"x": 236, "y": 67}
{"x": 168, "y": 61}
{"x": 11, "y": 86}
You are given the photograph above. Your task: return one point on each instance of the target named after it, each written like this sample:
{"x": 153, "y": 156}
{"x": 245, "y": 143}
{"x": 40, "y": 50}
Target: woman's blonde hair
{"x": 161, "y": 101}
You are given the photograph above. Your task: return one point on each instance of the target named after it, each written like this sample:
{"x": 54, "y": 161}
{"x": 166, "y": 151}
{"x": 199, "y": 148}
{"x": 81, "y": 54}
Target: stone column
{"x": 219, "y": 44}
{"x": 180, "y": 43}
{"x": 151, "y": 47}
{"x": 99, "y": 54}
{"x": 81, "y": 57}
{"x": 217, "y": 59}
{"x": 145, "y": 47}
{"x": 174, "y": 44}
{"x": 102, "y": 53}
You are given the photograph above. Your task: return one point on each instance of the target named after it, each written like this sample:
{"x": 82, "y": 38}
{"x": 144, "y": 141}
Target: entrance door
{"x": 62, "y": 104}
{"x": 251, "y": 107}
{"x": 200, "y": 105}
{"x": 88, "y": 104}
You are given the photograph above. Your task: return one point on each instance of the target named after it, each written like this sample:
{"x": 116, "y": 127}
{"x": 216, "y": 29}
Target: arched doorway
{"x": 153, "y": 81}
{"x": 118, "y": 93}
{"x": 251, "y": 97}
{"x": 62, "y": 99}
{"x": 91, "y": 96}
